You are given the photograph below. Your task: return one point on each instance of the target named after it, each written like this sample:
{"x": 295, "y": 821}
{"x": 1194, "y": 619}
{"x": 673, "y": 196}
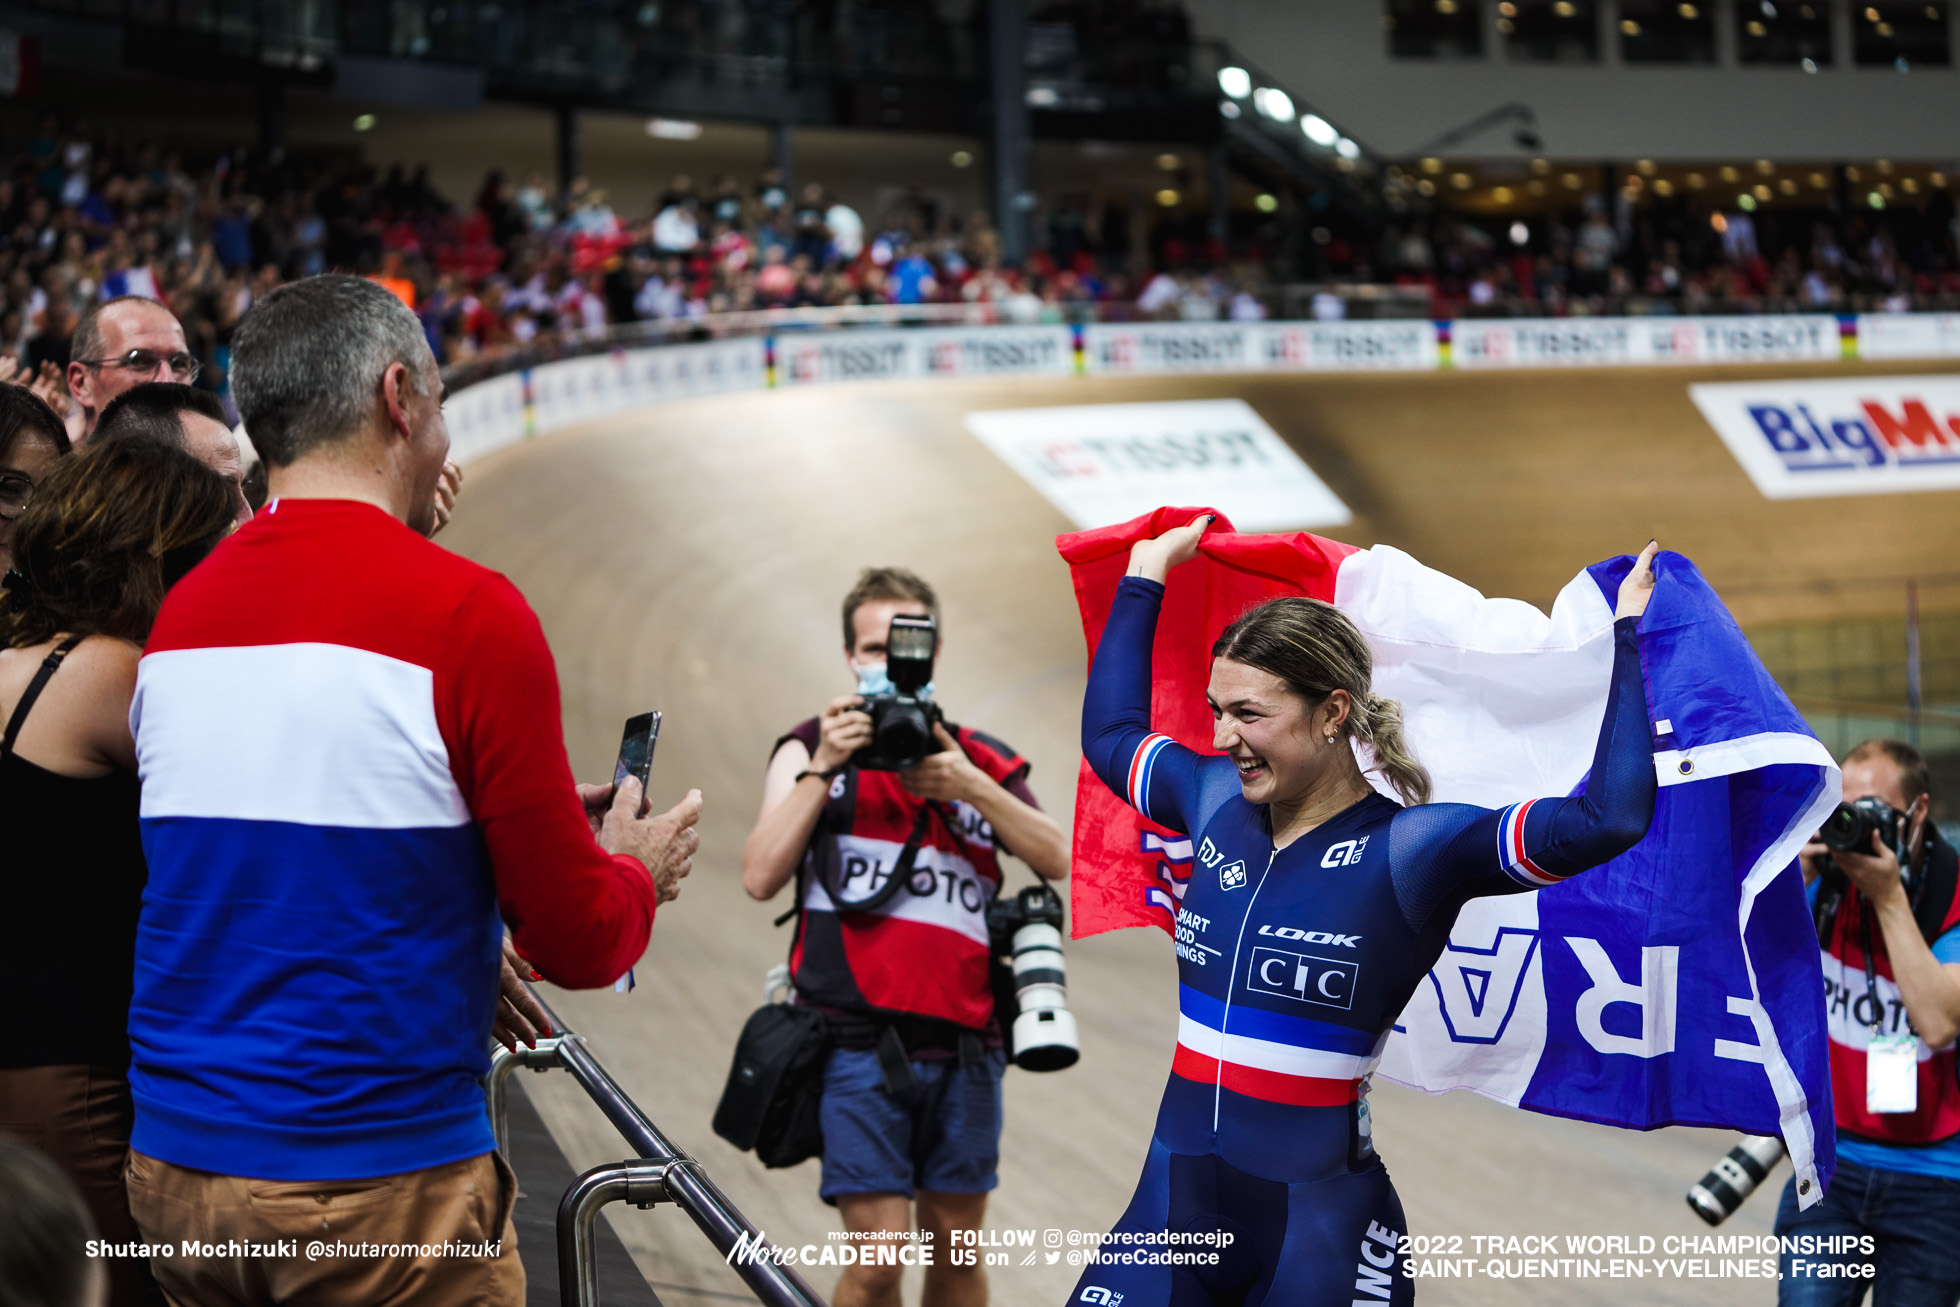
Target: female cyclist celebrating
{"x": 1314, "y": 908}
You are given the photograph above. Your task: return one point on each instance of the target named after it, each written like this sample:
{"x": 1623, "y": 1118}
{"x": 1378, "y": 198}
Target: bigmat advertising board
{"x": 1599, "y": 342}
{"x": 1874, "y": 435}
{"x": 1104, "y": 463}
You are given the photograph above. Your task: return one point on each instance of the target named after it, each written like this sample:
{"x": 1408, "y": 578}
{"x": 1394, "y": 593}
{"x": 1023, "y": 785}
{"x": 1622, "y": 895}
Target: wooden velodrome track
{"x": 692, "y": 557}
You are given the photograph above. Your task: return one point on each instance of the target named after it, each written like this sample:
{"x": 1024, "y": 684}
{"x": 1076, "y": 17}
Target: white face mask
{"x": 873, "y": 678}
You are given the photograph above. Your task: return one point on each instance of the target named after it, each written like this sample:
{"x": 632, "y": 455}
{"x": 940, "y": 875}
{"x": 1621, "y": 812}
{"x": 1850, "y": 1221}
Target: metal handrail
{"x": 663, "y": 1172}
{"x": 640, "y": 1183}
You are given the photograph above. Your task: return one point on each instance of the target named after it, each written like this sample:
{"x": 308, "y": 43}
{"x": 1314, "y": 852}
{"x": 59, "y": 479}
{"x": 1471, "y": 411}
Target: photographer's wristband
{"x": 820, "y": 775}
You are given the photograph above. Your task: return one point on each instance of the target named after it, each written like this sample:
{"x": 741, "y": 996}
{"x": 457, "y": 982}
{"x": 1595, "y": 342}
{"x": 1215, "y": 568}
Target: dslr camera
{"x": 1849, "y": 828}
{"x": 902, "y": 721}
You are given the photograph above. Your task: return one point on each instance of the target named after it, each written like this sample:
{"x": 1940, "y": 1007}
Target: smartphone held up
{"x": 636, "y": 746}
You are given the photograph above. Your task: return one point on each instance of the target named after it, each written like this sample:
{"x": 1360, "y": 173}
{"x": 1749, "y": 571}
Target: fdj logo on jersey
{"x": 1327, "y": 982}
{"x": 1230, "y": 876}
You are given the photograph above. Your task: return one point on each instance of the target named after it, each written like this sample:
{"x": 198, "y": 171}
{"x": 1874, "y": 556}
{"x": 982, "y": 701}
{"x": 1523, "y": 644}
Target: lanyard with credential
{"x": 1891, "y": 1059}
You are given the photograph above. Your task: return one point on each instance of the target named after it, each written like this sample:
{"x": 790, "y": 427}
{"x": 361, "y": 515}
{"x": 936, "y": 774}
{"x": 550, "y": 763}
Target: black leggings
{"x": 1322, "y": 1243}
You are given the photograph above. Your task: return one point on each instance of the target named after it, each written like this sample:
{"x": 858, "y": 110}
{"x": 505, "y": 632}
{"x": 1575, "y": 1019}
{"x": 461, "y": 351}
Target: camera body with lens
{"x": 1027, "y": 928}
{"x": 902, "y": 720}
{"x": 1849, "y": 828}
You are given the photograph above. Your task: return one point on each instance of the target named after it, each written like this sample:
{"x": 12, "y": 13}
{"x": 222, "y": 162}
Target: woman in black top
{"x": 106, "y": 533}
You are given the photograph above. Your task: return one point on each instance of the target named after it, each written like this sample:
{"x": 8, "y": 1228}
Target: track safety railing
{"x": 661, "y": 1172}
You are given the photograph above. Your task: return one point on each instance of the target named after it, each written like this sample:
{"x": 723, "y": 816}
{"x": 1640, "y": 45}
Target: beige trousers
{"x": 259, "y": 1242}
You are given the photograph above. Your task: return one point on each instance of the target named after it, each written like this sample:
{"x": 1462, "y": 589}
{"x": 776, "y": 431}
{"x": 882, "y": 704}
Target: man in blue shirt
{"x": 1889, "y": 928}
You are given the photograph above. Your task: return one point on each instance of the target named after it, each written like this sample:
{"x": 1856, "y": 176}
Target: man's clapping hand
{"x": 447, "y": 488}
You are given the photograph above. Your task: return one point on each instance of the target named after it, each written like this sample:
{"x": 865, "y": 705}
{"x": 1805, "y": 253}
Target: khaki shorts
{"x": 302, "y": 1231}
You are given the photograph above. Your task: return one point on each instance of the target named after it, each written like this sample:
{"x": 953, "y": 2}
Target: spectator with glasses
{"x": 32, "y": 441}
{"x": 124, "y": 342}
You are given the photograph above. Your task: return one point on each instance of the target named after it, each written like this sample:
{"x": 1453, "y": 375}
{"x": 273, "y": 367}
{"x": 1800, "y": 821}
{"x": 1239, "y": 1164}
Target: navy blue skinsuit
{"x": 1293, "y": 964}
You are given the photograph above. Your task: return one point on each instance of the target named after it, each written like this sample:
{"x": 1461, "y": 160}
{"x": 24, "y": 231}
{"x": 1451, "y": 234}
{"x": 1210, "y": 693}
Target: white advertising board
{"x": 1870, "y": 436}
{"x": 487, "y": 416}
{"x": 1908, "y": 335}
{"x": 1383, "y": 346}
{"x": 1170, "y": 347}
{"x": 1606, "y": 342}
{"x": 1105, "y": 463}
{"x": 816, "y": 357}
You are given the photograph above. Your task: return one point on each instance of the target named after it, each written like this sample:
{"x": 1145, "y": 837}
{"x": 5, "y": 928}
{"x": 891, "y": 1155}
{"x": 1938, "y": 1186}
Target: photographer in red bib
{"x": 1881, "y": 883}
{"x": 892, "y": 821}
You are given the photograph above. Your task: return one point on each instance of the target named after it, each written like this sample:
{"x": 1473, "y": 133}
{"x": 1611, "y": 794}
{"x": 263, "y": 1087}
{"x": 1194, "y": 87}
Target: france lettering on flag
{"x": 1678, "y": 984}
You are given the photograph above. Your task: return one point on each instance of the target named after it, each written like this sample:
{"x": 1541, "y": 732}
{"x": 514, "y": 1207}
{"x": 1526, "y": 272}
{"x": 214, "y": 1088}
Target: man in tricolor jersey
{"x": 1898, "y": 1177}
{"x": 353, "y": 778}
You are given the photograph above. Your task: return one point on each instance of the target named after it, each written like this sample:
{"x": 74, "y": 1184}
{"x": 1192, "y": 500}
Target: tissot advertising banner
{"x": 1598, "y": 342}
{"x": 491, "y": 414}
{"x": 1873, "y": 435}
{"x": 1908, "y": 335}
{"x": 1389, "y": 346}
{"x": 1259, "y": 346}
{"x": 922, "y": 352}
{"x": 1103, "y": 463}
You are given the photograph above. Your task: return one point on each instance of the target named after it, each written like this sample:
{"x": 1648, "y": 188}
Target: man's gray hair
{"x": 307, "y": 362}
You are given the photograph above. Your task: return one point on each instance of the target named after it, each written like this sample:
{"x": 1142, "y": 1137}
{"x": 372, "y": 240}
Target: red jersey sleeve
{"x": 580, "y": 915}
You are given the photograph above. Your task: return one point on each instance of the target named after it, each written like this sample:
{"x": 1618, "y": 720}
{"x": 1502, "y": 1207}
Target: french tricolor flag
{"x": 1678, "y": 984}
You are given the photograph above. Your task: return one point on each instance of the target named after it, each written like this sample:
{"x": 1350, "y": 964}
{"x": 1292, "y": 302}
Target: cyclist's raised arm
{"x": 1447, "y": 850}
{"x": 1147, "y": 770}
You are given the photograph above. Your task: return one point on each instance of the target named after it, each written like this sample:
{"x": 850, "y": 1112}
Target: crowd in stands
{"x": 1668, "y": 257}
{"x": 85, "y": 218}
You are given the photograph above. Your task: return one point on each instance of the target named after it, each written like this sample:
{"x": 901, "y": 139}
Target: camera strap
{"x": 1871, "y": 967}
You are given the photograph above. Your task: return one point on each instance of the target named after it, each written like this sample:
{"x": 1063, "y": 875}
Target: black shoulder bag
{"x": 775, "y": 1088}
{"x": 774, "y": 1094}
